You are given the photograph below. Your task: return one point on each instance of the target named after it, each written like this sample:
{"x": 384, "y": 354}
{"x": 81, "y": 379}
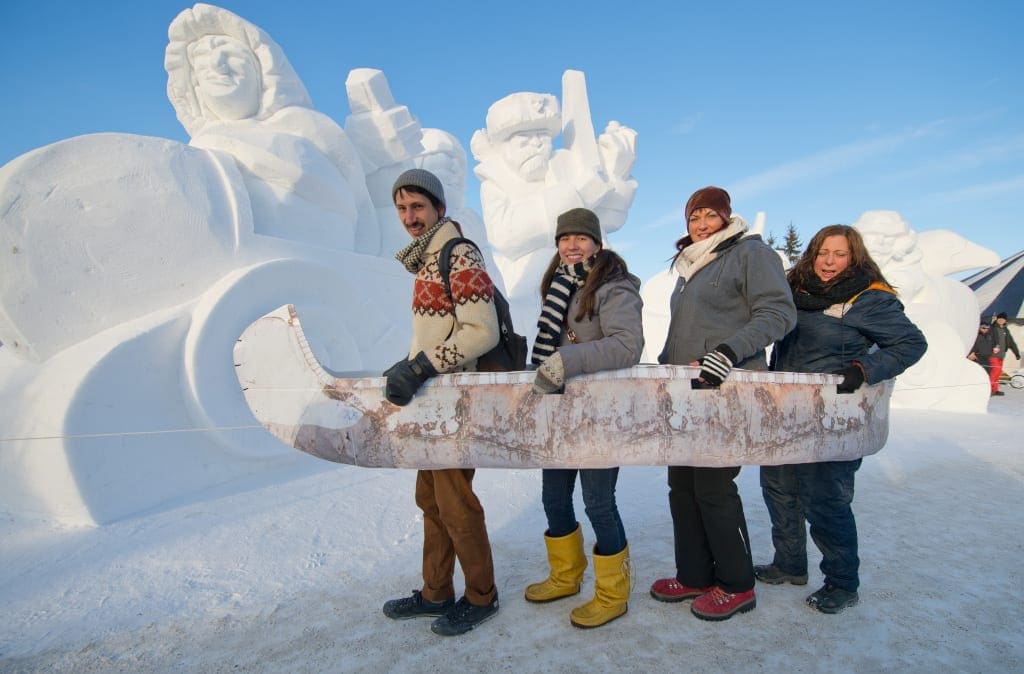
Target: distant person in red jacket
{"x": 1001, "y": 340}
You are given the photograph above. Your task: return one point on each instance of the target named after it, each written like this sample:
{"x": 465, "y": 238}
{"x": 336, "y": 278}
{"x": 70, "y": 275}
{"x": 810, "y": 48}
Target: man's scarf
{"x": 411, "y": 256}
{"x": 551, "y": 323}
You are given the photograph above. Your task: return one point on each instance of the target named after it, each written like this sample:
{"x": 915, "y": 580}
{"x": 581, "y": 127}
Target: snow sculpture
{"x": 944, "y": 309}
{"x": 388, "y": 138}
{"x": 525, "y": 184}
{"x": 235, "y": 92}
{"x": 444, "y": 156}
{"x": 129, "y": 266}
{"x": 98, "y": 230}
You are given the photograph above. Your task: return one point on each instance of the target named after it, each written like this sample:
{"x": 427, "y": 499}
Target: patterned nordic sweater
{"x": 453, "y": 338}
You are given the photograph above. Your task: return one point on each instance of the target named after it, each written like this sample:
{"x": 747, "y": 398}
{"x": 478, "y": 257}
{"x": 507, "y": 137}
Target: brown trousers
{"x": 453, "y": 526}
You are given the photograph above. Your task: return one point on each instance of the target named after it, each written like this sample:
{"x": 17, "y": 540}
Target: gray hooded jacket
{"x": 740, "y": 299}
{"x": 614, "y": 337}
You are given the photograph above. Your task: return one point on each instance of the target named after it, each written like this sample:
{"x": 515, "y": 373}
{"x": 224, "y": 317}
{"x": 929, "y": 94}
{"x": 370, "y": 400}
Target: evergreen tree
{"x": 771, "y": 240}
{"x": 792, "y": 246}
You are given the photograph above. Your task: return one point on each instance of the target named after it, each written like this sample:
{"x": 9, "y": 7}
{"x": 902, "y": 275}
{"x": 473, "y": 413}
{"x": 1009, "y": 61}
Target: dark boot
{"x": 415, "y": 606}
{"x": 831, "y": 599}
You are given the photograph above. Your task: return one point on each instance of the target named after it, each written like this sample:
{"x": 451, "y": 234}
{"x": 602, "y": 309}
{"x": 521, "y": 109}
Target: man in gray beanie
{"x": 428, "y": 183}
{"x": 449, "y": 333}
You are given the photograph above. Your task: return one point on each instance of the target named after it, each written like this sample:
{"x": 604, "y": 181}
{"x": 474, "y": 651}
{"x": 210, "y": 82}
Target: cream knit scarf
{"x": 697, "y": 255}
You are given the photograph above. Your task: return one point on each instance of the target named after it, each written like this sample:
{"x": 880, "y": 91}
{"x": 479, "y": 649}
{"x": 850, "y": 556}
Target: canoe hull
{"x": 645, "y": 415}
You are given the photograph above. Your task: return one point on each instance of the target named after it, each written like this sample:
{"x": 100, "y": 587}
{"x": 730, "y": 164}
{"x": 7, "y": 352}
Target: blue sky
{"x": 810, "y": 111}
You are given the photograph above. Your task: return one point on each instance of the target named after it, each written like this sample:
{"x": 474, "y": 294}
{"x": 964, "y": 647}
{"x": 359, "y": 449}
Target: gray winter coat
{"x": 740, "y": 299}
{"x": 614, "y": 337}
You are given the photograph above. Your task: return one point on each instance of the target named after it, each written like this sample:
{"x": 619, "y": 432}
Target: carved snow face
{"x": 833, "y": 257}
{"x": 227, "y": 79}
{"x": 527, "y": 153}
{"x": 886, "y": 236}
{"x": 573, "y": 248}
{"x": 416, "y": 212}
{"x": 703, "y": 223}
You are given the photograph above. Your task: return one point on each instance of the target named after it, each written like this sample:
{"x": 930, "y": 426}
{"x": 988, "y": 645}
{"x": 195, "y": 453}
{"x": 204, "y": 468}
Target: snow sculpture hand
{"x": 618, "y": 149}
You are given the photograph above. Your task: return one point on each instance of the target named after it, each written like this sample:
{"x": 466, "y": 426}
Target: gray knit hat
{"x": 579, "y": 221}
{"x": 421, "y": 178}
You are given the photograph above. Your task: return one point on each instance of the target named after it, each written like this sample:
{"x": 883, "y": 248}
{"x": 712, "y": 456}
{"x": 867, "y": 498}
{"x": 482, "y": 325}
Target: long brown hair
{"x": 607, "y": 264}
{"x": 860, "y": 258}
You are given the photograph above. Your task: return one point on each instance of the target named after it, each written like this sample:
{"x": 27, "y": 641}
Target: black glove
{"x": 853, "y": 377}
{"x": 405, "y": 378}
{"x": 715, "y": 365}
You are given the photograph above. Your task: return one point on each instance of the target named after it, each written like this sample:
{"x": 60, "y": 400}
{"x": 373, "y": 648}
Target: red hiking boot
{"x": 671, "y": 590}
{"x": 721, "y": 605}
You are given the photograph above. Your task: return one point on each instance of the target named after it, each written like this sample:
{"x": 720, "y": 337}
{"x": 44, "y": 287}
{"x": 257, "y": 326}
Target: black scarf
{"x": 815, "y": 295}
{"x": 556, "y": 303}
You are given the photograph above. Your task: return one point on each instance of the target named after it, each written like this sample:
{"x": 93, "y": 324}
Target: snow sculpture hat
{"x": 523, "y": 111}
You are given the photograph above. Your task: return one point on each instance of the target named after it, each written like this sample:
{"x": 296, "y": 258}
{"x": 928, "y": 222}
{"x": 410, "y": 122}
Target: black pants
{"x": 712, "y": 546}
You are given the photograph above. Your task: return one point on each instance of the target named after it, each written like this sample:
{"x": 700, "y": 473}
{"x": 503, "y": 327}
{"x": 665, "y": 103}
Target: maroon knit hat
{"x": 714, "y": 198}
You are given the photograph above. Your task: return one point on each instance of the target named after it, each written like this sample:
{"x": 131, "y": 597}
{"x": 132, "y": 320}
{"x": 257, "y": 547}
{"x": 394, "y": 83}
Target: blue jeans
{"x": 598, "y": 499}
{"x": 820, "y": 494}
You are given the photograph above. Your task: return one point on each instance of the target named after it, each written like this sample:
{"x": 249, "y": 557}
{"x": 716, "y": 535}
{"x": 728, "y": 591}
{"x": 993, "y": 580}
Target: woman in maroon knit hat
{"x": 730, "y": 302}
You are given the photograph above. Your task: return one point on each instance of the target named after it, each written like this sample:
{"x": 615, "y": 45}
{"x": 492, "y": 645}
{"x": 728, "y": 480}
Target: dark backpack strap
{"x": 444, "y": 263}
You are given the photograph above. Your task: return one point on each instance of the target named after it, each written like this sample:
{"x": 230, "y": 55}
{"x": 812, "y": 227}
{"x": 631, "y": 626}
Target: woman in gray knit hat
{"x": 590, "y": 321}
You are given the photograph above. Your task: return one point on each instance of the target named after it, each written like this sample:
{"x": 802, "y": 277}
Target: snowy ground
{"x": 291, "y": 576}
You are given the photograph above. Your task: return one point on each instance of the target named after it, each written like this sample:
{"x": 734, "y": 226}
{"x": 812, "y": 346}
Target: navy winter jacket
{"x": 829, "y": 340}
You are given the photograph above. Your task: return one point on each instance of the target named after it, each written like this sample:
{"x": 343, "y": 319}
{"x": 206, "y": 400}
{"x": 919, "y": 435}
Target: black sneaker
{"x": 831, "y": 599}
{"x": 463, "y": 617}
{"x": 773, "y": 575}
{"x": 416, "y": 606}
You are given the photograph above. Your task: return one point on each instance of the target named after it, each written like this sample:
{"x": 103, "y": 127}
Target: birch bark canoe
{"x": 644, "y": 415}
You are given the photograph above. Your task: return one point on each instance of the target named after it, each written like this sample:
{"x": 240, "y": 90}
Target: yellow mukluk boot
{"x": 611, "y": 591}
{"x": 567, "y": 561}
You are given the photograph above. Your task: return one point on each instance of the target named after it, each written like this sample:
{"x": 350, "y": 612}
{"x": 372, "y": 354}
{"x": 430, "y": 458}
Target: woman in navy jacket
{"x": 845, "y": 309}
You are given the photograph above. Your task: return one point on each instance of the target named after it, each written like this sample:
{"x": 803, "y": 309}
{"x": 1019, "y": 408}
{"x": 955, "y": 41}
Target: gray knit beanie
{"x": 421, "y": 178}
{"x": 579, "y": 221}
